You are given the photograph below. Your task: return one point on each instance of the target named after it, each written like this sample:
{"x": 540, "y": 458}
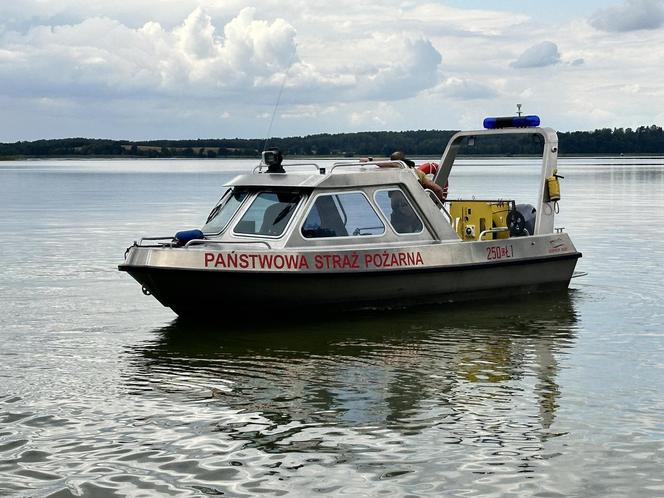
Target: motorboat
{"x": 360, "y": 234}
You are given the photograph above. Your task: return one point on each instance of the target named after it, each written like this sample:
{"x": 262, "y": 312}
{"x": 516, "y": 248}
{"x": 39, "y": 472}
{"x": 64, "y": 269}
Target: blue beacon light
{"x": 512, "y": 122}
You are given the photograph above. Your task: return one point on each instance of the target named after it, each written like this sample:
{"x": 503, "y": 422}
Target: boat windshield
{"x": 224, "y": 211}
{"x": 268, "y": 214}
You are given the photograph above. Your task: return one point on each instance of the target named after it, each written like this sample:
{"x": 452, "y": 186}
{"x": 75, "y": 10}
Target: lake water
{"x": 103, "y": 392}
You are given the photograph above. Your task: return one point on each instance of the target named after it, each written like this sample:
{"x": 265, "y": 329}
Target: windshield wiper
{"x": 213, "y": 213}
{"x": 282, "y": 214}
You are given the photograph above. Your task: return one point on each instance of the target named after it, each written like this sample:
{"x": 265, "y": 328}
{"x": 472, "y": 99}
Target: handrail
{"x": 196, "y": 242}
{"x": 259, "y": 168}
{"x": 439, "y": 203}
{"x": 493, "y": 230}
{"x": 356, "y": 164}
{"x": 140, "y": 242}
{"x": 380, "y": 164}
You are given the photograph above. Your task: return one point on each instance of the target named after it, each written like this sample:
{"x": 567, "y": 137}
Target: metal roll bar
{"x": 439, "y": 203}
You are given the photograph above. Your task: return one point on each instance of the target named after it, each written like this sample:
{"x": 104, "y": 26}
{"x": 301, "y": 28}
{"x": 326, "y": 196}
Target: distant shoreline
{"x": 644, "y": 140}
{"x": 313, "y": 158}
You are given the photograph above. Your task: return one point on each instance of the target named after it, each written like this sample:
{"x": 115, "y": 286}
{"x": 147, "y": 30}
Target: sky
{"x": 186, "y": 69}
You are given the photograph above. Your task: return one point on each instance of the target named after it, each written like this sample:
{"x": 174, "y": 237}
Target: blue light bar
{"x": 512, "y": 122}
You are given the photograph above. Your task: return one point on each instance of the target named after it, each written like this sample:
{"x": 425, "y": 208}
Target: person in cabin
{"x": 402, "y": 217}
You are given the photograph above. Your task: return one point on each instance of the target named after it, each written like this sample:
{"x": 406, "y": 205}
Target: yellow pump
{"x": 472, "y": 217}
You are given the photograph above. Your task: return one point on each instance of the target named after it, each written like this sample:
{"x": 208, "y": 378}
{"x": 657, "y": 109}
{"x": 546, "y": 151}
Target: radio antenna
{"x": 276, "y": 106}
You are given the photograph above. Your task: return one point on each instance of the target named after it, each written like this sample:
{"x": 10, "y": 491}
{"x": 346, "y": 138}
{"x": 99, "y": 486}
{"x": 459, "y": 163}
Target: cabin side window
{"x": 342, "y": 215}
{"x": 268, "y": 214}
{"x": 396, "y": 208}
{"x": 222, "y": 213}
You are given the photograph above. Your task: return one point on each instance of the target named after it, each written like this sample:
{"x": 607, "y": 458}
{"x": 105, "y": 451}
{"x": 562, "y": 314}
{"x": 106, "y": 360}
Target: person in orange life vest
{"x": 431, "y": 168}
{"x": 421, "y": 176}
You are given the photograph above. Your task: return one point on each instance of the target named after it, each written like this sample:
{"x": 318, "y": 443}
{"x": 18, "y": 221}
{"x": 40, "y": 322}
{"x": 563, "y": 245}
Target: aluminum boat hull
{"x": 205, "y": 292}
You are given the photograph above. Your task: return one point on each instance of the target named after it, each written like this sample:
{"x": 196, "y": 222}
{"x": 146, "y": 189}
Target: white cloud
{"x": 196, "y": 37}
{"x": 311, "y": 111}
{"x": 633, "y": 15}
{"x": 187, "y": 68}
{"x": 250, "y": 55}
{"x": 465, "y": 89}
{"x": 375, "y": 117}
{"x": 540, "y": 55}
{"x": 109, "y": 58}
{"x": 412, "y": 67}
{"x": 442, "y": 19}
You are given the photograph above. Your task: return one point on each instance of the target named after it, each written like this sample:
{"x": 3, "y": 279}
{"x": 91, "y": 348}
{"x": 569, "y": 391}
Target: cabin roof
{"x": 371, "y": 176}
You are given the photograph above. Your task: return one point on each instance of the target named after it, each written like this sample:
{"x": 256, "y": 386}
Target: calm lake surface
{"x": 103, "y": 392}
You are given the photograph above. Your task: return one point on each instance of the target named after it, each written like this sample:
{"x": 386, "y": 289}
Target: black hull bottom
{"x": 203, "y": 293}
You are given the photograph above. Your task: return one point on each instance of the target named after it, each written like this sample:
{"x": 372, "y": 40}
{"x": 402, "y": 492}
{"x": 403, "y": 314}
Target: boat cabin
{"x": 353, "y": 203}
{"x": 380, "y": 202}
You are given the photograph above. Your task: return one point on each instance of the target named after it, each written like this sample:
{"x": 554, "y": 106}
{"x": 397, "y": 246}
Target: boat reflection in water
{"x": 471, "y": 375}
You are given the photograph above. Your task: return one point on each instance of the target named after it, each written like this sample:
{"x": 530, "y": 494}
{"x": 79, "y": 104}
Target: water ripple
{"x": 558, "y": 395}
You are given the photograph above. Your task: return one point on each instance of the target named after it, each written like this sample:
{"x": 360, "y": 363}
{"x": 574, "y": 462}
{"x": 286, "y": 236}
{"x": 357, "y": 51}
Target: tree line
{"x": 642, "y": 140}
